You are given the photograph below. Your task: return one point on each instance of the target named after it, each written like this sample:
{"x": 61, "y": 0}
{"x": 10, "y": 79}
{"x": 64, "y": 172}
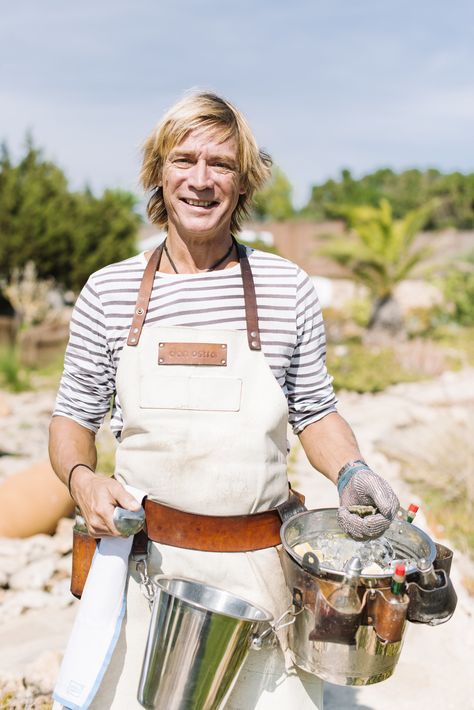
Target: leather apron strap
{"x": 146, "y": 287}
{"x": 143, "y": 298}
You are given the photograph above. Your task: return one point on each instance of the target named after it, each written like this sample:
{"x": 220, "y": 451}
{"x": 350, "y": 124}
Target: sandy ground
{"x": 435, "y": 667}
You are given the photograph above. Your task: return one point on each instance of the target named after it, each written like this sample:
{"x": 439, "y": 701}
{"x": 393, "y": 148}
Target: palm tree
{"x": 380, "y": 255}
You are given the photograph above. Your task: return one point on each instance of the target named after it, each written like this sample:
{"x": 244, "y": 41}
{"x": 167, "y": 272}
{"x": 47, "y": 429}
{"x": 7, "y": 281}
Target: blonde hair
{"x": 203, "y": 110}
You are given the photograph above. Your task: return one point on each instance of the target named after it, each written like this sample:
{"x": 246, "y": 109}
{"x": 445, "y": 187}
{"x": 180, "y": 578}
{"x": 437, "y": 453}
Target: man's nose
{"x": 200, "y": 176}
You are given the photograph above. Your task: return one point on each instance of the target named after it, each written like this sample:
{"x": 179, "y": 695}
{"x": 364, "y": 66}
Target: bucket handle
{"x": 258, "y": 639}
{"x": 147, "y": 586}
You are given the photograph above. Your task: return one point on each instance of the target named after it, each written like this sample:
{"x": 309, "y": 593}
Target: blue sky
{"x": 326, "y": 85}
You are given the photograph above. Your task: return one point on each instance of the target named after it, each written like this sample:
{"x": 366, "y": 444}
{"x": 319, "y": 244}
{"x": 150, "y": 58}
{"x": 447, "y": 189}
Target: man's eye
{"x": 182, "y": 161}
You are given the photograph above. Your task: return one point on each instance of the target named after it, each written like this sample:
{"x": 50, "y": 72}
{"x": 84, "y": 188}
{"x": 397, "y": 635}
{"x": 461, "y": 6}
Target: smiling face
{"x": 202, "y": 185}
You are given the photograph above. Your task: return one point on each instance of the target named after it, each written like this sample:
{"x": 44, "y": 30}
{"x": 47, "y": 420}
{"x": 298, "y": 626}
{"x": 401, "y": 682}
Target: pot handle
{"x": 258, "y": 639}
{"x": 310, "y": 563}
{"x": 292, "y": 506}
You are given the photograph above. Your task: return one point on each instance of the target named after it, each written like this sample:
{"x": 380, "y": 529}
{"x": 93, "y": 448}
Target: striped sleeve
{"x": 309, "y": 386}
{"x": 88, "y": 381}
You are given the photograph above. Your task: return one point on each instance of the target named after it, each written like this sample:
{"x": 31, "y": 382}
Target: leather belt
{"x": 216, "y": 533}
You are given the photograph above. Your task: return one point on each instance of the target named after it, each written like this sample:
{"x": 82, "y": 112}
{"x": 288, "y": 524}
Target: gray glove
{"x": 364, "y": 487}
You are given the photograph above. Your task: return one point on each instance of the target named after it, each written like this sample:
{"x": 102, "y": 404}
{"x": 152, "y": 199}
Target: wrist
{"x": 348, "y": 471}
{"x": 76, "y": 473}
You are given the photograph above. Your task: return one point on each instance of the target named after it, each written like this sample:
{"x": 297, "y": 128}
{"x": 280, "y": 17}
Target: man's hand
{"x": 366, "y": 488}
{"x": 97, "y": 496}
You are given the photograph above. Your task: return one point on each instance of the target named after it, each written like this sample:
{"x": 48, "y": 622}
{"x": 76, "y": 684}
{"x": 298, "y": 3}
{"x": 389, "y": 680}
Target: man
{"x": 208, "y": 349}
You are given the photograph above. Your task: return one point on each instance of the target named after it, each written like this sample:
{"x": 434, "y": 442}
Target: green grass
{"x": 452, "y": 519}
{"x": 16, "y": 377}
{"x": 49, "y": 375}
{"x": 437, "y": 461}
{"x": 355, "y": 367}
{"x": 458, "y": 341}
{"x": 6, "y": 701}
{"x": 13, "y": 376}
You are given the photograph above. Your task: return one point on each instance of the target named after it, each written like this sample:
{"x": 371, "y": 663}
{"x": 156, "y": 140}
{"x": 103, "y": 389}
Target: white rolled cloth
{"x": 97, "y": 624}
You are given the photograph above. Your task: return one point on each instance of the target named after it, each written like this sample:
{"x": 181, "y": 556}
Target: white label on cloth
{"x": 98, "y": 622}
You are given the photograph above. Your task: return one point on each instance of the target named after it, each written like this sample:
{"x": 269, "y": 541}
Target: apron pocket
{"x": 218, "y": 394}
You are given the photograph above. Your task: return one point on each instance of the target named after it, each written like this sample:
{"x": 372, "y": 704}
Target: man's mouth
{"x": 199, "y": 203}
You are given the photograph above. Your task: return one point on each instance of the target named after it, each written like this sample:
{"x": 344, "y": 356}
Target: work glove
{"x": 359, "y": 486}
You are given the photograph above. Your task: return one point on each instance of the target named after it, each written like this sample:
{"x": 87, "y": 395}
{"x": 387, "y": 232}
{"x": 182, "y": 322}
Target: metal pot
{"x": 363, "y": 647}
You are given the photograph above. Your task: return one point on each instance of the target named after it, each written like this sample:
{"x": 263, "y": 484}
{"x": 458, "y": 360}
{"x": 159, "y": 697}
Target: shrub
{"x": 355, "y": 367}
{"x": 458, "y": 288}
{"x": 12, "y": 375}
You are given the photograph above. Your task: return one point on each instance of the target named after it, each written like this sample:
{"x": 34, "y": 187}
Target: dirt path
{"x": 435, "y": 667}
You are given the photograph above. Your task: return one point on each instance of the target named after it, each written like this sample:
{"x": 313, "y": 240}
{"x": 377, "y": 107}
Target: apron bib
{"x": 207, "y": 439}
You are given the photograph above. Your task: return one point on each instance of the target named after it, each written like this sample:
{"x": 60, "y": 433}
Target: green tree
{"x": 105, "y": 232}
{"x": 274, "y": 201}
{"x": 66, "y": 234}
{"x": 34, "y": 207}
{"x": 410, "y": 189}
{"x": 380, "y": 254}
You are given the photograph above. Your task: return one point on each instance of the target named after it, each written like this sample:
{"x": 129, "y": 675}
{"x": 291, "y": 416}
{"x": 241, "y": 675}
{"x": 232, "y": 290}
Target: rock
{"x": 33, "y": 599}
{"x": 60, "y": 595}
{"x": 62, "y": 539}
{"x": 13, "y": 694}
{"x": 10, "y": 547}
{"x": 38, "y": 546}
{"x": 16, "y": 603}
{"x": 11, "y": 565}
{"x": 11, "y": 607}
{"x": 35, "y": 575}
{"x": 42, "y": 674}
{"x": 63, "y": 567}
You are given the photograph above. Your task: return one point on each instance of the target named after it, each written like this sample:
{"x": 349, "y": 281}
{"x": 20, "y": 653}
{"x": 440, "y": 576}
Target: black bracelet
{"x": 72, "y": 471}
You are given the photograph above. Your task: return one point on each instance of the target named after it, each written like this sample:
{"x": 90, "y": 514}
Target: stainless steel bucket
{"x": 198, "y": 640}
{"x": 356, "y": 650}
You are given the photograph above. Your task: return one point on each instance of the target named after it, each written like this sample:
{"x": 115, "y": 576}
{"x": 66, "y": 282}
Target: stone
{"x": 11, "y": 565}
{"x": 11, "y": 607}
{"x": 63, "y": 567}
{"x": 42, "y": 674}
{"x": 33, "y": 599}
{"x": 10, "y": 547}
{"x": 35, "y": 575}
{"x": 62, "y": 539}
{"x": 38, "y": 546}
{"x": 16, "y": 603}
{"x": 13, "y": 694}
{"x": 60, "y": 594}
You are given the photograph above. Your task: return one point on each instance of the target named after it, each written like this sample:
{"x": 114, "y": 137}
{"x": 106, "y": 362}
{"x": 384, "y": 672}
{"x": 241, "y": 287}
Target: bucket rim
{"x": 336, "y": 574}
{"x": 266, "y": 616}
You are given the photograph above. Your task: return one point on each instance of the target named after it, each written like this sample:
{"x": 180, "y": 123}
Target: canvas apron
{"x": 207, "y": 439}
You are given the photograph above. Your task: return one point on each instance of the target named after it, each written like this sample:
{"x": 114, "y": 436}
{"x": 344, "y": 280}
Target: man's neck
{"x": 191, "y": 255}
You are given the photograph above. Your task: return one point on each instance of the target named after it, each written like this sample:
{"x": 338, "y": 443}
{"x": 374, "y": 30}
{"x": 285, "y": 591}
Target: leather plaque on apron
{"x": 214, "y": 354}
